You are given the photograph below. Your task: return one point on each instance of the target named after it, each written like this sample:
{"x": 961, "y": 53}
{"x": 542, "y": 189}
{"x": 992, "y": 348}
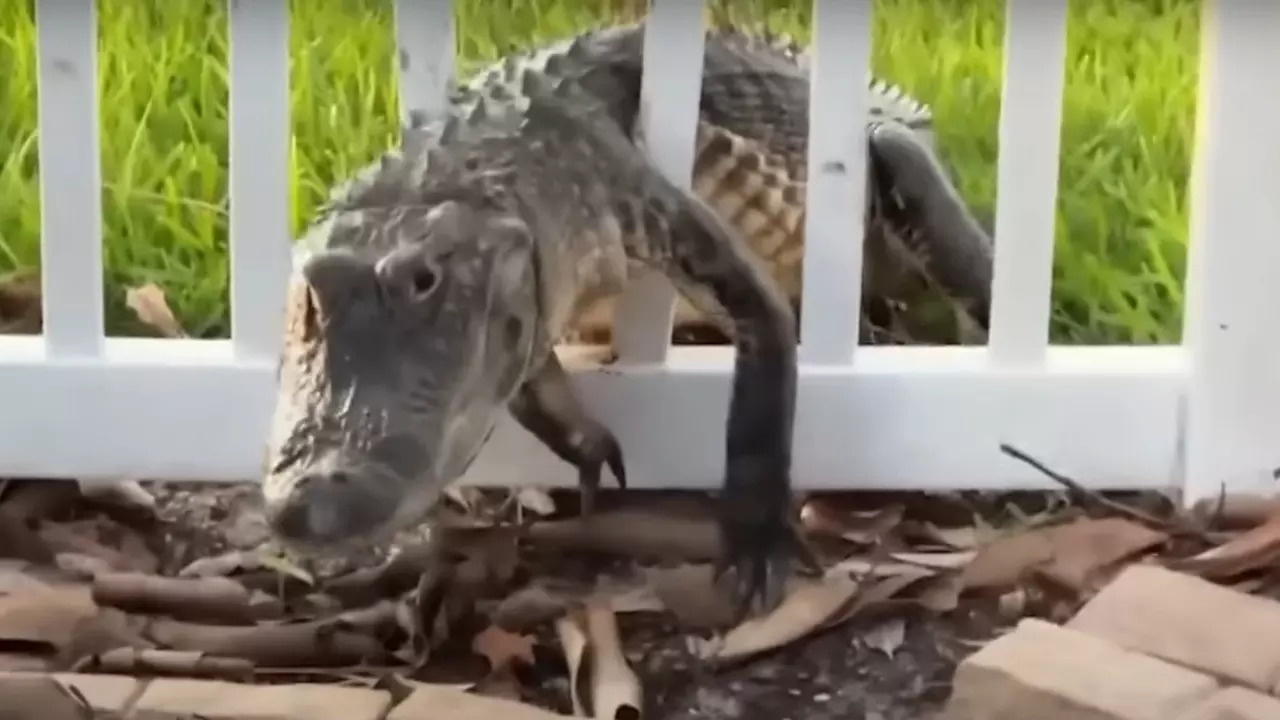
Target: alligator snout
{"x": 331, "y": 504}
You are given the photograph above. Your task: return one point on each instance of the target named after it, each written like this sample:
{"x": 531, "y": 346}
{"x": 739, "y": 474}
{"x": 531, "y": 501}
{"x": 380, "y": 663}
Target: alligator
{"x": 922, "y": 242}
{"x": 430, "y": 291}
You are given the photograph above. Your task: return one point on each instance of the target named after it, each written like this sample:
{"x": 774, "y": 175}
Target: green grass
{"x": 1121, "y": 227}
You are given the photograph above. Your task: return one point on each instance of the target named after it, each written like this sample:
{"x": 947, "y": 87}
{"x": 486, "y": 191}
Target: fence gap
{"x": 837, "y": 182}
{"x": 425, "y": 47}
{"x": 1035, "y": 46}
{"x": 70, "y": 177}
{"x": 258, "y": 183}
{"x": 671, "y": 86}
{"x": 1232, "y": 301}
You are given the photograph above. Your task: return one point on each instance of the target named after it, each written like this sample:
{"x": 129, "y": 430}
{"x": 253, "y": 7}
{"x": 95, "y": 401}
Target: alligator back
{"x": 750, "y": 162}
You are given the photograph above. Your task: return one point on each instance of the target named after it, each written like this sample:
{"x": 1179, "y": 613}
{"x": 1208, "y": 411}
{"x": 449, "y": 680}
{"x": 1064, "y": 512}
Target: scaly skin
{"x": 448, "y": 274}
{"x": 751, "y": 161}
{"x": 429, "y": 294}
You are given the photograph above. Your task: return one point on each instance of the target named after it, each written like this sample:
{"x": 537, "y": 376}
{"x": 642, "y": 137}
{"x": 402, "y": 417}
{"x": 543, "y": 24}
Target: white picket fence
{"x": 1194, "y": 416}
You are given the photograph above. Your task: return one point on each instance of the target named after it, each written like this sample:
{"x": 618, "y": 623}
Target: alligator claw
{"x": 594, "y": 453}
{"x": 763, "y": 552}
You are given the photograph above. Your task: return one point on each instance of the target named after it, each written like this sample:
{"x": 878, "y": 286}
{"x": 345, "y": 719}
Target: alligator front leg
{"x": 547, "y": 407}
{"x": 920, "y": 201}
{"x": 721, "y": 276}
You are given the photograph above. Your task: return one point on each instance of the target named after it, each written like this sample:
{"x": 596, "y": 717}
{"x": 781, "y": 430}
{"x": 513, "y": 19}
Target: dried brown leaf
{"x": 44, "y": 620}
{"x": 868, "y": 567}
{"x": 1251, "y": 550}
{"x": 148, "y": 303}
{"x": 527, "y": 607}
{"x": 502, "y": 648}
{"x": 128, "y": 495}
{"x": 940, "y": 593}
{"x": 965, "y": 537}
{"x": 936, "y": 560}
{"x": 601, "y": 683}
{"x": 1075, "y": 555}
{"x": 536, "y": 500}
{"x": 886, "y": 636}
{"x": 856, "y": 527}
{"x": 85, "y": 537}
{"x": 226, "y": 564}
{"x": 1236, "y": 510}
{"x": 810, "y": 606}
{"x": 615, "y": 689}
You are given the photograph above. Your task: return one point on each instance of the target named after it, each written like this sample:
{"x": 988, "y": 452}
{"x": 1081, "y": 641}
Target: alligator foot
{"x": 762, "y": 545}
{"x": 547, "y": 407}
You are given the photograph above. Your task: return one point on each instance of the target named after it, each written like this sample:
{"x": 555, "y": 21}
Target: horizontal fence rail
{"x": 1193, "y": 416}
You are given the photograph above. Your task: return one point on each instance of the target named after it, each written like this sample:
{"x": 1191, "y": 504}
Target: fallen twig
{"x": 211, "y": 599}
{"x": 349, "y": 639}
{"x": 641, "y": 533}
{"x": 1083, "y": 495}
{"x": 181, "y": 663}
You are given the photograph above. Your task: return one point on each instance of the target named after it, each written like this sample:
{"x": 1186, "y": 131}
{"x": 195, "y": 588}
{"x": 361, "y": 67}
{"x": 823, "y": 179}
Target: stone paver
{"x": 1189, "y": 621}
{"x": 102, "y": 692}
{"x": 1235, "y": 703}
{"x": 1042, "y": 671}
{"x": 231, "y": 701}
{"x": 441, "y": 703}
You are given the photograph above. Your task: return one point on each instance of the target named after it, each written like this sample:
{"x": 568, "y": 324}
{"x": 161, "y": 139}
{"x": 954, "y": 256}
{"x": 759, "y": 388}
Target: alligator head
{"x": 406, "y": 336}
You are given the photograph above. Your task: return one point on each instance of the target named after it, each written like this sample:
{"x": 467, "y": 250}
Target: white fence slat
{"x": 671, "y": 86}
{"x": 905, "y": 418}
{"x": 424, "y": 53}
{"x": 259, "y": 174}
{"x": 1035, "y": 47}
{"x": 902, "y": 418}
{"x": 837, "y": 181}
{"x": 1232, "y": 300}
{"x": 70, "y": 176}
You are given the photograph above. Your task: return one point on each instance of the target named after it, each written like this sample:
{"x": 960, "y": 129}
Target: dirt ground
{"x": 840, "y": 673}
{"x": 915, "y": 583}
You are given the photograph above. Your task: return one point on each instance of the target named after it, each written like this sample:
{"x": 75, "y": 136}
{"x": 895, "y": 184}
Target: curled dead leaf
{"x": 148, "y": 303}
{"x": 1253, "y": 549}
{"x": 536, "y": 500}
{"x": 886, "y": 636}
{"x": 811, "y": 604}
{"x": 127, "y": 494}
{"x": 601, "y": 683}
{"x": 1013, "y": 604}
{"x": 856, "y": 527}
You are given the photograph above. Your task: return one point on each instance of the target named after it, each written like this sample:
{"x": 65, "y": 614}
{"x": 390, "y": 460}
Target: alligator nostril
{"x": 339, "y": 478}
